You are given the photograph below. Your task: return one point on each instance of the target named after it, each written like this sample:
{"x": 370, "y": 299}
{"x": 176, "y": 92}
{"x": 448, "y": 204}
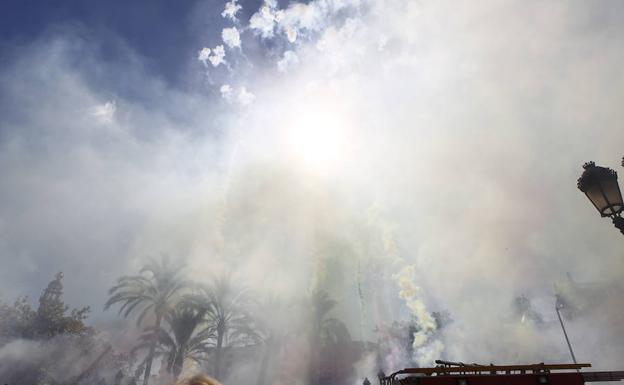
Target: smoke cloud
{"x": 409, "y": 157}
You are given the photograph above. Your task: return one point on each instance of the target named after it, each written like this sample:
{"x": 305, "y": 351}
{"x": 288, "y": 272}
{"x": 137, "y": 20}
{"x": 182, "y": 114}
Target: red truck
{"x": 458, "y": 373}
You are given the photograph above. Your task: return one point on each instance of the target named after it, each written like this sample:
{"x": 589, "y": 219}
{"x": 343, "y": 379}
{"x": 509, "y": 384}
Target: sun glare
{"x": 318, "y": 138}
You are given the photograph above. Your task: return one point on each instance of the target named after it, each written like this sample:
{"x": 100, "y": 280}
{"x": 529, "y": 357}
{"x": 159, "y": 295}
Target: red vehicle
{"x": 457, "y": 373}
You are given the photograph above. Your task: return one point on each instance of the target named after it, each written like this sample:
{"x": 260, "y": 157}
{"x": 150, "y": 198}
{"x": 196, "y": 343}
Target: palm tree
{"x": 225, "y": 307}
{"x": 322, "y": 329}
{"x": 185, "y": 340}
{"x": 327, "y": 328}
{"x": 152, "y": 291}
{"x": 273, "y": 321}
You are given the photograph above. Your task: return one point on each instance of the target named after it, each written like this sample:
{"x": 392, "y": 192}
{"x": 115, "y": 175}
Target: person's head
{"x": 199, "y": 379}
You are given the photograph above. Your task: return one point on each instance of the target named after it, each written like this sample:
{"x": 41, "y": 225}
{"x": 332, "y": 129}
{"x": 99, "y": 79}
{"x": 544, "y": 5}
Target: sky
{"x": 425, "y": 152}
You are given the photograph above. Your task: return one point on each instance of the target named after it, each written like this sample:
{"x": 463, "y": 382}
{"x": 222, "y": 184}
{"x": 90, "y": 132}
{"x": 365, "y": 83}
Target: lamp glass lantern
{"x": 600, "y": 185}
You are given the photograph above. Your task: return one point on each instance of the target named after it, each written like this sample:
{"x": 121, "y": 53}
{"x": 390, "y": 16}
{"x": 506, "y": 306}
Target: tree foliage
{"x": 51, "y": 318}
{"x": 50, "y": 344}
{"x": 154, "y": 292}
{"x": 226, "y": 308}
{"x": 187, "y": 337}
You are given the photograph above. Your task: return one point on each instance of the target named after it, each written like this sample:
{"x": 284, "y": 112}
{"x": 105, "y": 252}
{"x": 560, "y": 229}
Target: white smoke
{"x": 231, "y": 9}
{"x": 218, "y": 56}
{"x": 203, "y": 55}
{"x": 215, "y": 56}
{"x": 467, "y": 122}
{"x": 426, "y": 348}
{"x": 226, "y": 92}
{"x": 245, "y": 97}
{"x": 288, "y": 61}
{"x": 401, "y": 73}
{"x": 264, "y": 21}
{"x": 231, "y": 37}
{"x": 105, "y": 113}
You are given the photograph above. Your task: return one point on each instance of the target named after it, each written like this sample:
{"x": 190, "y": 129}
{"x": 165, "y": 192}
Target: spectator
{"x": 199, "y": 379}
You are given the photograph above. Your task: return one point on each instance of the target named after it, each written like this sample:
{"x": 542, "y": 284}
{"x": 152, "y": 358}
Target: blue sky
{"x": 164, "y": 33}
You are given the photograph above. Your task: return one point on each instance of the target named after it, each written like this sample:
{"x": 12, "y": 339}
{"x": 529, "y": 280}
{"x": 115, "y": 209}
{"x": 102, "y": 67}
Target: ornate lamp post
{"x": 600, "y": 185}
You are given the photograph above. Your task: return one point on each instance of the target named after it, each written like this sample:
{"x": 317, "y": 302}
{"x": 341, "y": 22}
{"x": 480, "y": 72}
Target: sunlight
{"x": 318, "y": 138}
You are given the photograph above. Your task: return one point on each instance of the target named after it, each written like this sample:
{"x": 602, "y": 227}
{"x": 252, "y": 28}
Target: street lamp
{"x": 559, "y": 305}
{"x": 600, "y": 185}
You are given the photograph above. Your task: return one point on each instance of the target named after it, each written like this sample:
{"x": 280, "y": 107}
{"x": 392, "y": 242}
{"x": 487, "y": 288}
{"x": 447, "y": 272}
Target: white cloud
{"x": 231, "y": 8}
{"x": 105, "y": 113}
{"x": 231, "y": 37}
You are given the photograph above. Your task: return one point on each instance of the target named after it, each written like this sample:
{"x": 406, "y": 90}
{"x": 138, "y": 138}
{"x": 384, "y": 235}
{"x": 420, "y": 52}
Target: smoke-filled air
{"x": 311, "y": 193}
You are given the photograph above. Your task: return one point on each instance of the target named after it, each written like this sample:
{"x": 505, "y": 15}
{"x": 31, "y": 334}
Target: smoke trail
{"x": 363, "y": 311}
{"x": 426, "y": 347}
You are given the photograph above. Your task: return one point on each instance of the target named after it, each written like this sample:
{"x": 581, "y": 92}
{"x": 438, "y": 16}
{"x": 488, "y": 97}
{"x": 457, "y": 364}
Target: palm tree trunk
{"x": 315, "y": 372}
{"x": 264, "y": 364}
{"x": 218, "y": 353}
{"x": 315, "y": 357}
{"x": 150, "y": 356}
{"x": 178, "y": 364}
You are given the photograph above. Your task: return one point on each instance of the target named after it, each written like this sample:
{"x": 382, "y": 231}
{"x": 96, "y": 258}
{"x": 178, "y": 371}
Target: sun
{"x": 318, "y": 137}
